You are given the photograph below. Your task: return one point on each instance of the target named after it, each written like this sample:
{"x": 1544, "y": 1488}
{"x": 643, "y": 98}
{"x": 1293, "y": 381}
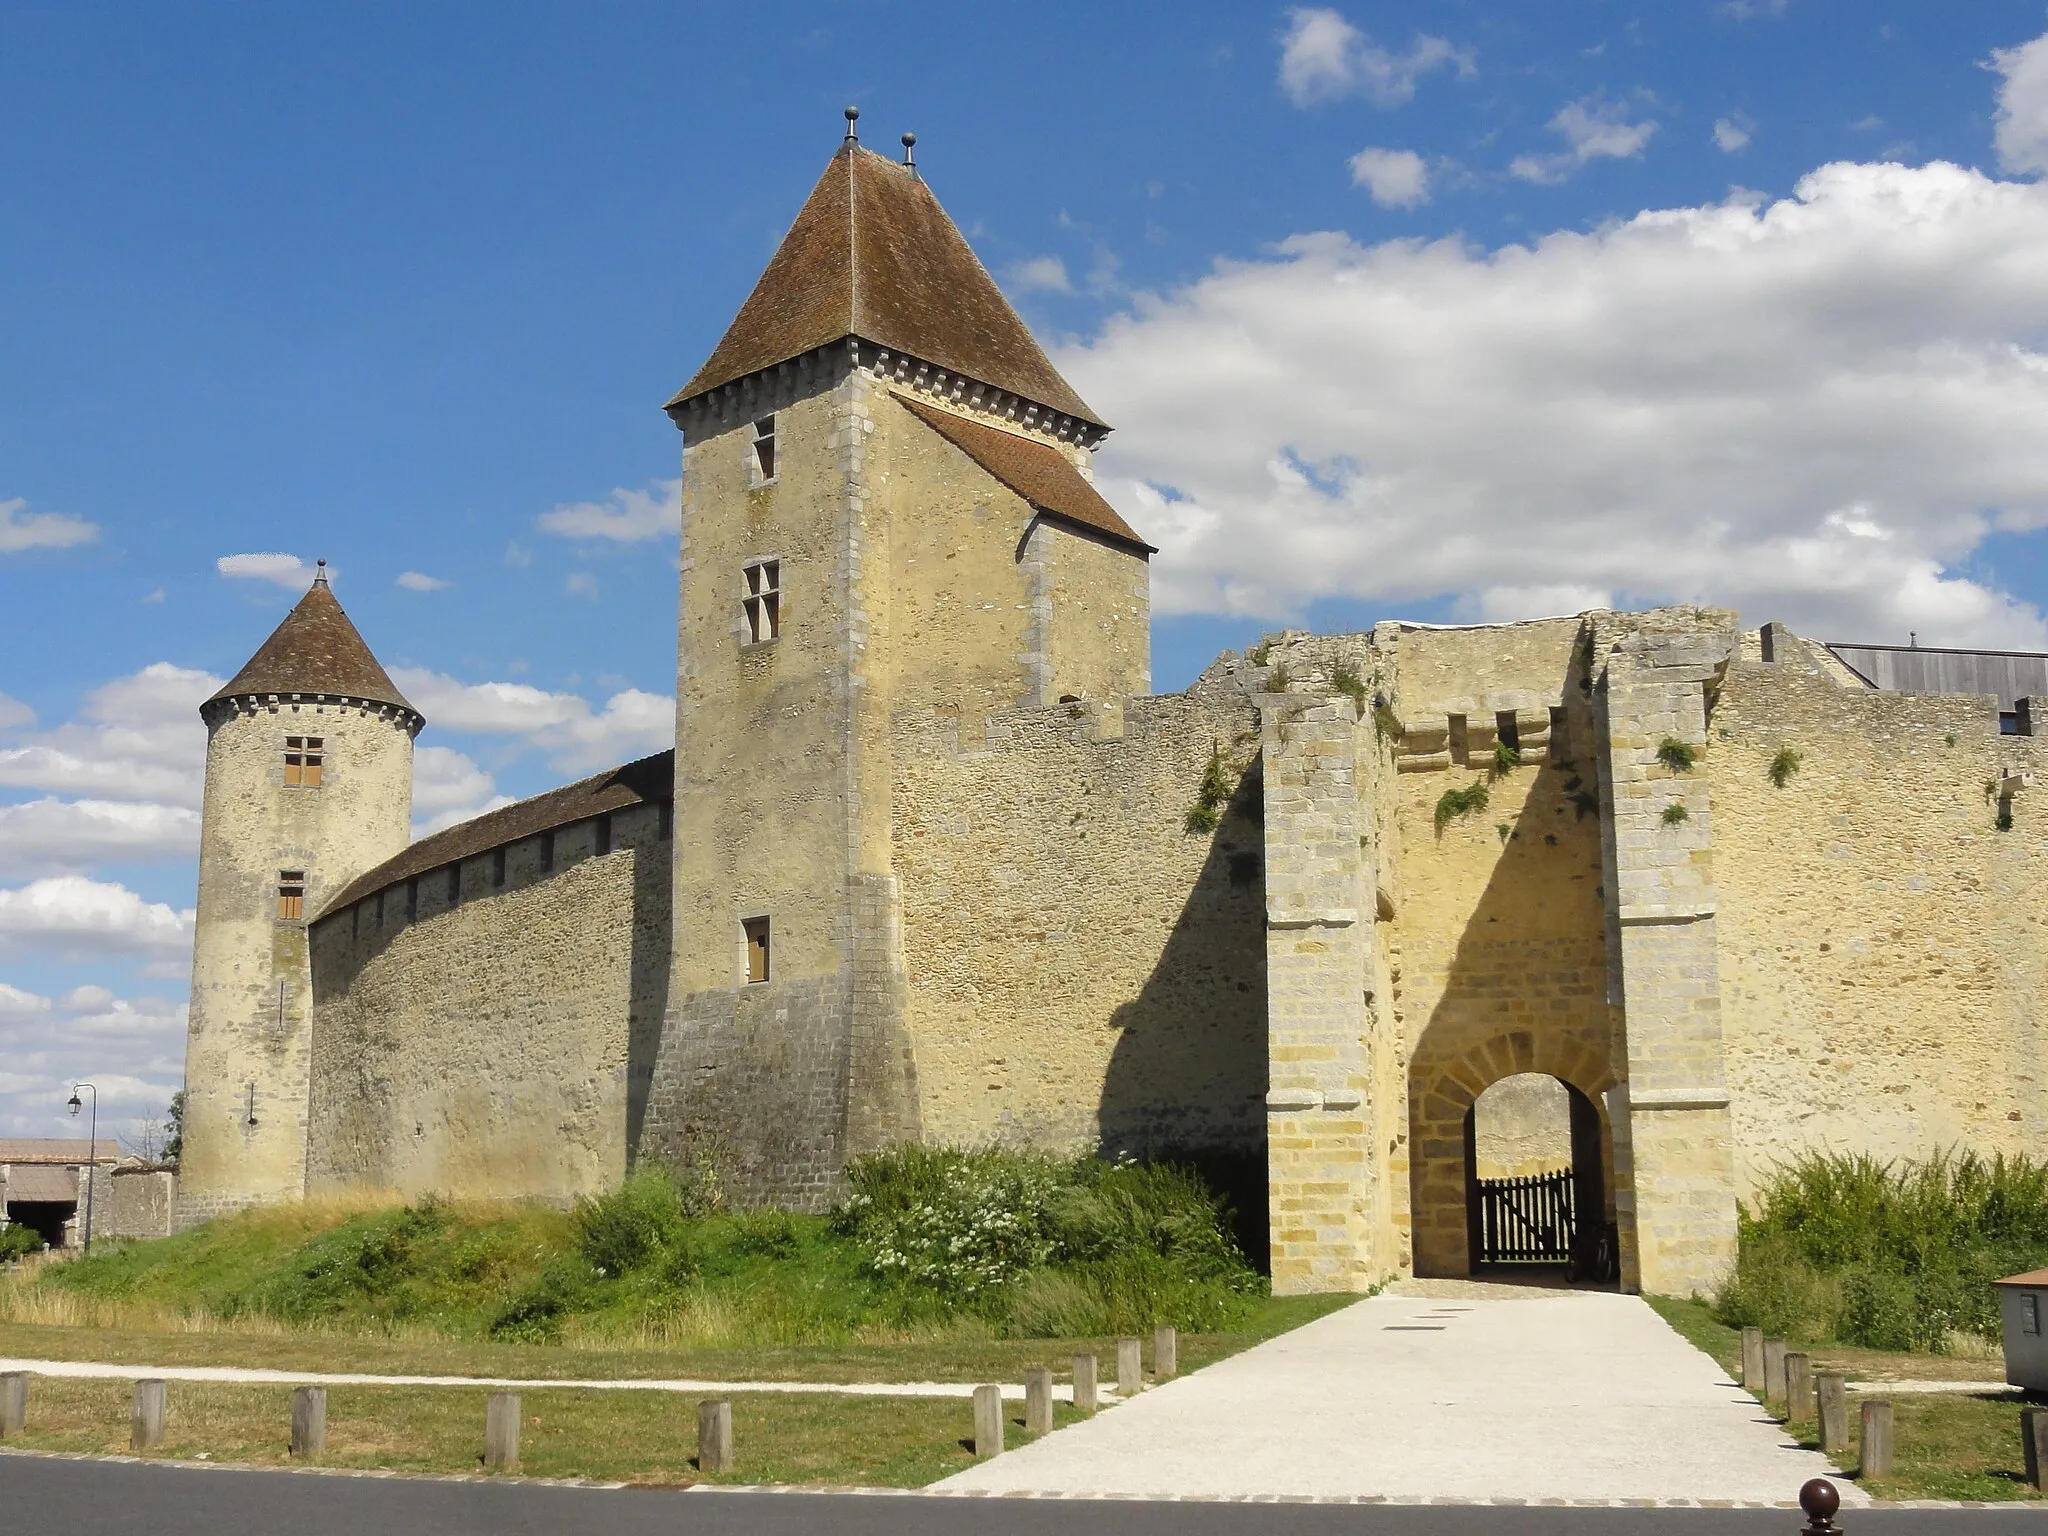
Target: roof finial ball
{"x": 320, "y": 573}
{"x": 910, "y": 152}
{"x": 852, "y": 132}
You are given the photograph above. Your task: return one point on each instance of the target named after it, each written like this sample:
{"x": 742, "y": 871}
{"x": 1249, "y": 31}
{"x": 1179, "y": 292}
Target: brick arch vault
{"x": 1442, "y": 1088}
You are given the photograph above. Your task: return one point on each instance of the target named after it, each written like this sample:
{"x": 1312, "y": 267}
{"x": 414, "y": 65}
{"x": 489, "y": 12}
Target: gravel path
{"x": 1457, "y": 1395}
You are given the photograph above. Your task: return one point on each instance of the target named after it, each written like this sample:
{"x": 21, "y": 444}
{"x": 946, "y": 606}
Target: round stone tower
{"x": 308, "y": 784}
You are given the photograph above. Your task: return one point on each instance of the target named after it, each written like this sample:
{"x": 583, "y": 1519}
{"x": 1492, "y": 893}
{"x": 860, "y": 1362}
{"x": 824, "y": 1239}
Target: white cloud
{"x": 69, "y": 915}
{"x": 2021, "y": 134}
{"x": 1749, "y": 10}
{"x": 1396, "y": 178}
{"x": 13, "y": 712}
{"x": 131, "y": 1049}
{"x": 627, "y": 517}
{"x": 287, "y": 571}
{"x": 22, "y": 529}
{"x": 1733, "y": 133}
{"x": 580, "y": 584}
{"x": 1039, "y": 274}
{"x": 1593, "y": 129}
{"x": 1813, "y": 409}
{"x": 15, "y": 1003}
{"x": 1323, "y": 57}
{"x": 576, "y": 737}
{"x": 416, "y": 581}
{"x": 51, "y": 834}
{"x": 138, "y": 738}
{"x": 448, "y": 787}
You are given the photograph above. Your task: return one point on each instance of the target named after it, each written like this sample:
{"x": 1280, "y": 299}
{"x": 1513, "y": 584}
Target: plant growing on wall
{"x": 1505, "y": 757}
{"x": 1211, "y": 795}
{"x": 1385, "y": 723}
{"x": 1783, "y": 766}
{"x": 1260, "y": 654}
{"x": 1676, "y": 755}
{"x": 1278, "y": 679}
{"x": 1453, "y": 803}
{"x": 1674, "y": 813}
{"x": 1347, "y": 682}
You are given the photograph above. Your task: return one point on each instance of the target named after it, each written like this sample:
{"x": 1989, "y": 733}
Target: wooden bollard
{"x": 1832, "y": 1387}
{"x": 1084, "y": 1383}
{"x": 988, "y": 1422}
{"x": 1130, "y": 1368}
{"x": 1753, "y": 1361}
{"x": 2034, "y": 1441}
{"x": 501, "y": 1432}
{"x": 1165, "y": 1354}
{"x": 13, "y": 1403}
{"x": 1876, "y": 1457}
{"x": 714, "y": 1435}
{"x": 309, "y": 1422}
{"x": 1798, "y": 1386}
{"x": 146, "y": 1422}
{"x": 1774, "y": 1371}
{"x": 1038, "y": 1401}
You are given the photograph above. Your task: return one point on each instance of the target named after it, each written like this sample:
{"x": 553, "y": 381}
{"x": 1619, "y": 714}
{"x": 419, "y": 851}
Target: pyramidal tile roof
{"x": 315, "y": 650}
{"x": 873, "y": 255}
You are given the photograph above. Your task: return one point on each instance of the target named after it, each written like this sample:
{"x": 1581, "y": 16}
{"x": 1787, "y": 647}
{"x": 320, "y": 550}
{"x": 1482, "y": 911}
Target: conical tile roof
{"x": 873, "y": 255}
{"x": 316, "y": 650}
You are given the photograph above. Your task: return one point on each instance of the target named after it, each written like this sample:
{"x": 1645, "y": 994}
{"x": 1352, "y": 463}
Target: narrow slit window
{"x": 497, "y": 866}
{"x": 601, "y": 839}
{"x": 1457, "y": 738}
{"x": 412, "y": 900}
{"x": 764, "y": 450}
{"x": 547, "y": 851}
{"x": 291, "y": 895}
{"x": 1507, "y": 729}
{"x": 757, "y": 949}
{"x": 303, "y": 756}
{"x": 454, "y": 885}
{"x": 762, "y": 602}
{"x": 380, "y": 909}
{"x": 665, "y": 820}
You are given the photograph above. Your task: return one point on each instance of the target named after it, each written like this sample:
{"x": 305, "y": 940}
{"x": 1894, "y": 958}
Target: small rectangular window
{"x": 412, "y": 900}
{"x": 303, "y": 756}
{"x": 380, "y": 909}
{"x": 764, "y": 450}
{"x": 291, "y": 895}
{"x": 665, "y": 820}
{"x": 757, "y": 949}
{"x": 601, "y": 839}
{"x": 1507, "y": 729}
{"x": 355, "y": 921}
{"x": 762, "y": 601}
{"x": 1457, "y": 738}
{"x": 2030, "y": 1313}
{"x": 547, "y": 851}
{"x": 497, "y": 866}
{"x": 454, "y": 885}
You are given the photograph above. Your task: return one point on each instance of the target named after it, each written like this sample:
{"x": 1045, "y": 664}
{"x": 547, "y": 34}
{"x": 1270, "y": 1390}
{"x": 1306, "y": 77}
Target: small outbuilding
{"x": 2023, "y": 1304}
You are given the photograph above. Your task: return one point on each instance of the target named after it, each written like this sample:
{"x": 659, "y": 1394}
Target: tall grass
{"x": 1840, "y": 1247}
{"x": 928, "y": 1243}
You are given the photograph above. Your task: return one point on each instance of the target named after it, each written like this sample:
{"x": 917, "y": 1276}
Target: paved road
{"x": 1545, "y": 1396}
{"x": 54, "y": 1497}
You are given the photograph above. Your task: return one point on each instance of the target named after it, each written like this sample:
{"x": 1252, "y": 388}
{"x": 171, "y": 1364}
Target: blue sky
{"x": 1440, "y": 310}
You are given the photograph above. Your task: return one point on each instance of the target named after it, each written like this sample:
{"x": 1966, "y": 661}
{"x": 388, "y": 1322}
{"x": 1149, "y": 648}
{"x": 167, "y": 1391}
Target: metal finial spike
{"x": 910, "y": 150}
{"x": 852, "y": 117}
{"x": 320, "y": 573}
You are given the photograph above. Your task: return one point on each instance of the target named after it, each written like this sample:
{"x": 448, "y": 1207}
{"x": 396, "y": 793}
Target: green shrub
{"x": 1886, "y": 1255}
{"x": 1783, "y": 766}
{"x": 1453, "y": 803}
{"x": 18, "y": 1242}
{"x": 1505, "y": 758}
{"x": 1345, "y": 679}
{"x": 1676, "y": 755}
{"x": 630, "y": 1227}
{"x": 1674, "y": 814}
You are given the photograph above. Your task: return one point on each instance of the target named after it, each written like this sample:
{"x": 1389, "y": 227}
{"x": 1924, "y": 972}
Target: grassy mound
{"x": 1898, "y": 1256}
{"x": 993, "y": 1243}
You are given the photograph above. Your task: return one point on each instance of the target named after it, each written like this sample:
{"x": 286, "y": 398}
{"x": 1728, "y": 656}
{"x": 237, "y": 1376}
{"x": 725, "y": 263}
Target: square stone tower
{"x": 886, "y": 508}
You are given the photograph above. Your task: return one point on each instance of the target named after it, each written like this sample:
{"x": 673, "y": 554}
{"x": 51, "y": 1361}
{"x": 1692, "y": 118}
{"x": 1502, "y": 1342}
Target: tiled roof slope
{"x": 647, "y": 781}
{"x": 1038, "y": 472}
{"x": 315, "y": 650}
{"x": 873, "y": 255}
{"x": 55, "y": 1149}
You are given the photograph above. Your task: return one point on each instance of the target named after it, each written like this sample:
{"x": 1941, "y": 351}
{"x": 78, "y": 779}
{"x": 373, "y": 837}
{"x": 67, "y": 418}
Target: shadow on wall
{"x": 1186, "y": 1081}
{"x": 647, "y": 994}
{"x": 1525, "y": 991}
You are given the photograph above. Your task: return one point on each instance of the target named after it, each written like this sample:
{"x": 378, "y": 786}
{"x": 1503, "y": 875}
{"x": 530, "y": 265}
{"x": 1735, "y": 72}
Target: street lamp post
{"x": 92, "y": 1149}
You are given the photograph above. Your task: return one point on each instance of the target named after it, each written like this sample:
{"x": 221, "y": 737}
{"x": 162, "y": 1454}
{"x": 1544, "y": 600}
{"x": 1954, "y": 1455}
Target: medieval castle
{"x": 930, "y": 861}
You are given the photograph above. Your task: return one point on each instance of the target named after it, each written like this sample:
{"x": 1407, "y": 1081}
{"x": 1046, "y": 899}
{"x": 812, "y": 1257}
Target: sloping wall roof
{"x": 873, "y": 255}
{"x": 1038, "y": 472}
{"x": 649, "y": 780}
{"x": 316, "y": 650}
{"x": 54, "y": 1149}
{"x": 1927, "y": 669}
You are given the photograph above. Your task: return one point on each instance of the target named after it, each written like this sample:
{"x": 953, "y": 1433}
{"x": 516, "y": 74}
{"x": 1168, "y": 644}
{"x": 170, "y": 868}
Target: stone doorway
{"x": 1535, "y": 1164}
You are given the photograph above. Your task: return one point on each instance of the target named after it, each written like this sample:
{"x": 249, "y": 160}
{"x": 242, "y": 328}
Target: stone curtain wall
{"x": 498, "y": 1047}
{"x": 1882, "y": 955}
{"x": 1082, "y": 970}
{"x": 1522, "y": 1125}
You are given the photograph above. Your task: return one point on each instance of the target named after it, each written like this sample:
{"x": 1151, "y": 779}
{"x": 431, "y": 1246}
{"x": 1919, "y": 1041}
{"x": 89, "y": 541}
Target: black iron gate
{"x": 1527, "y": 1220}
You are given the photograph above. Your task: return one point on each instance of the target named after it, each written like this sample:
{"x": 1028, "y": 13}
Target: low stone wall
{"x": 142, "y": 1202}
